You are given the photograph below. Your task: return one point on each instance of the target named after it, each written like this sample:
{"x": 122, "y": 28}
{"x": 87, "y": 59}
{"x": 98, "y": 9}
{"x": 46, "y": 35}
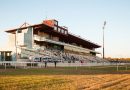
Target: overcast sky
{"x": 82, "y": 17}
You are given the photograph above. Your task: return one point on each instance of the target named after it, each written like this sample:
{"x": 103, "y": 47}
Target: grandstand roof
{"x": 70, "y": 38}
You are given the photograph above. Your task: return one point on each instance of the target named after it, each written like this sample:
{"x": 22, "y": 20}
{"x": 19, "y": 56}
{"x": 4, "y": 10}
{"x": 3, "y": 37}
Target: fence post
{"x": 5, "y": 65}
{"x": 31, "y": 64}
{"x": 15, "y": 65}
{"x": 117, "y": 68}
{"x": 40, "y": 65}
{"x": 126, "y": 67}
{"x": 24, "y": 65}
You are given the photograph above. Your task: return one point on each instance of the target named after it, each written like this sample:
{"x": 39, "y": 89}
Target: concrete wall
{"x": 76, "y": 49}
{"x": 28, "y": 38}
{"x": 42, "y": 34}
{"x": 23, "y": 38}
{"x": 11, "y": 42}
{"x": 55, "y": 38}
{"x": 11, "y": 46}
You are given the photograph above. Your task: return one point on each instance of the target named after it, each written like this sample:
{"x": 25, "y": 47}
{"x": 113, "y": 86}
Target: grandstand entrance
{"x": 5, "y": 56}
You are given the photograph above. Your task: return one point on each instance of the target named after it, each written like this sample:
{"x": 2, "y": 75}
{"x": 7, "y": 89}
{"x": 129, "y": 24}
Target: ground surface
{"x": 69, "y": 78}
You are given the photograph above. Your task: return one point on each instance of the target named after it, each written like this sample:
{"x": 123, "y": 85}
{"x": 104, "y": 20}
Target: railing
{"x": 39, "y": 38}
{"x": 81, "y": 49}
{"x": 26, "y": 65}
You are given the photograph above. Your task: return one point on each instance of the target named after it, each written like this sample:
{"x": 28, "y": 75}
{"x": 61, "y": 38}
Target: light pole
{"x": 103, "y": 38}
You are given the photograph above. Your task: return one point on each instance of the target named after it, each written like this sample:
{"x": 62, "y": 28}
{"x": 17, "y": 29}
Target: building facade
{"x": 39, "y": 39}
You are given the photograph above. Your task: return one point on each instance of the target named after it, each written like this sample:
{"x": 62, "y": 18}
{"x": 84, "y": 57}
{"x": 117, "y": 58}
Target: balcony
{"x": 66, "y": 45}
{"x": 39, "y": 38}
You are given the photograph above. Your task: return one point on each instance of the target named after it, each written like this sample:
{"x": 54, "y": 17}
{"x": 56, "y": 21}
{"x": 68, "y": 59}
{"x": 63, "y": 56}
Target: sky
{"x": 83, "y": 17}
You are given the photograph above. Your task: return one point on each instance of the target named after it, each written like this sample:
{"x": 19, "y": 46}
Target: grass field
{"x": 66, "y": 78}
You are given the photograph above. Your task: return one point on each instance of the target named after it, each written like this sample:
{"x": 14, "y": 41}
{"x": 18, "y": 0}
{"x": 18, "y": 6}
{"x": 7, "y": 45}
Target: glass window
{"x": 59, "y": 30}
{"x": 62, "y": 31}
{"x": 55, "y": 28}
{"x": 8, "y": 54}
{"x": 65, "y": 32}
{"x": 55, "y": 22}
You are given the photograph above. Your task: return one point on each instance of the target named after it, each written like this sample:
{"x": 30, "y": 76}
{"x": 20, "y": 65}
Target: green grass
{"x": 65, "y": 78}
{"x": 67, "y": 70}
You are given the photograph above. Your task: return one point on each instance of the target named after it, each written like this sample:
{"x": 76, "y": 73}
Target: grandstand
{"x": 48, "y": 41}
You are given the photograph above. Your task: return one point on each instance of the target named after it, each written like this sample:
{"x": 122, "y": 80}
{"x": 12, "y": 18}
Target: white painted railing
{"x": 17, "y": 64}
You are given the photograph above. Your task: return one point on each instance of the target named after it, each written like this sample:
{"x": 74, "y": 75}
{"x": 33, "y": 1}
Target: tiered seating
{"x": 66, "y": 57}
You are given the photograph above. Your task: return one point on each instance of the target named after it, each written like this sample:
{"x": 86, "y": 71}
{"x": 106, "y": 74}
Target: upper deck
{"x": 52, "y": 27}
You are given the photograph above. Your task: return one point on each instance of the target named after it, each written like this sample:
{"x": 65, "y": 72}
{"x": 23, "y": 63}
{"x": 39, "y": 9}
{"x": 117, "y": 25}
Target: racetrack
{"x": 66, "y": 78}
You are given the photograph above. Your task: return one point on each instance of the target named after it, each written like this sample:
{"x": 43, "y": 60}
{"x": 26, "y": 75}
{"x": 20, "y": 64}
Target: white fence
{"x": 15, "y": 64}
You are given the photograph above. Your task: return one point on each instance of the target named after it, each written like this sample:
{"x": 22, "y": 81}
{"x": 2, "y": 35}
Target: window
{"x": 59, "y": 30}
{"x": 55, "y": 22}
{"x": 55, "y": 28}
{"x": 62, "y": 31}
{"x": 8, "y": 54}
{"x": 65, "y": 32}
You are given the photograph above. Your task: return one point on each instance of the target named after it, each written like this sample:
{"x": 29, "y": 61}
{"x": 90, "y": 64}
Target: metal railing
{"x": 25, "y": 65}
